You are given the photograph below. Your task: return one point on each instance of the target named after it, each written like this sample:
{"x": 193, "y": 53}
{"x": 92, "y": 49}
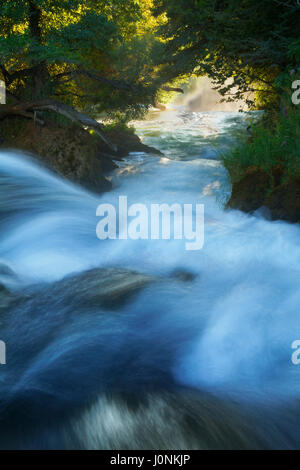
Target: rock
{"x": 7, "y": 300}
{"x": 249, "y": 193}
{"x": 107, "y": 162}
{"x": 71, "y": 151}
{"x": 267, "y": 195}
{"x": 183, "y": 275}
{"x": 126, "y": 142}
{"x": 7, "y": 276}
{"x": 166, "y": 419}
{"x": 284, "y": 201}
{"x": 5, "y": 270}
{"x": 105, "y": 287}
{"x": 263, "y": 213}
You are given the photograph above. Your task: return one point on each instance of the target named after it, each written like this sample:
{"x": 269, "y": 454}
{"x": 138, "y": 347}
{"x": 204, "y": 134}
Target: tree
{"x": 245, "y": 40}
{"x": 92, "y": 55}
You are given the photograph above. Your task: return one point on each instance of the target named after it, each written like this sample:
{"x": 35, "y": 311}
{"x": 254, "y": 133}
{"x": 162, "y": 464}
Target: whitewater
{"x": 203, "y": 362}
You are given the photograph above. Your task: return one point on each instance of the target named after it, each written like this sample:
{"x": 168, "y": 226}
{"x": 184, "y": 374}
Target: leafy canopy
{"x": 252, "y": 42}
{"x": 95, "y": 54}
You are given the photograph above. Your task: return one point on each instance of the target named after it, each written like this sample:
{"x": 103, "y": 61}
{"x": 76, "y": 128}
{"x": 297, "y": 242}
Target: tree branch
{"x": 22, "y": 109}
{"x": 170, "y": 88}
{"x": 94, "y": 75}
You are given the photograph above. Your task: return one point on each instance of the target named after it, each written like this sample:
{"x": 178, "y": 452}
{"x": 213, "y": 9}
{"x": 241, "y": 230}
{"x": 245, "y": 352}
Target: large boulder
{"x": 126, "y": 141}
{"x": 284, "y": 201}
{"x": 257, "y": 189}
{"x": 248, "y": 194}
{"x": 71, "y": 151}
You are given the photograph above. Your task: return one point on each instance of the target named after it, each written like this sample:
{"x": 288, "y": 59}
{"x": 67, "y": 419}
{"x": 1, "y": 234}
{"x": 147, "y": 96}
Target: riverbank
{"x": 70, "y": 151}
{"x": 108, "y": 328}
{"x": 264, "y": 168}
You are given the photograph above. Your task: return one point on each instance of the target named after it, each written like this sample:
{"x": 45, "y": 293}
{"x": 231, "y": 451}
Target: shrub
{"x": 273, "y": 143}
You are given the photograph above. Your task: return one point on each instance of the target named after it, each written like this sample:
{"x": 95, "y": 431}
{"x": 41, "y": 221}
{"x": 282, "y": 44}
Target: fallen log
{"x": 26, "y": 108}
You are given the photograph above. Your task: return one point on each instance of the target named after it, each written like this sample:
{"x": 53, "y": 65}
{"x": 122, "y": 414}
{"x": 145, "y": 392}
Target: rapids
{"x": 226, "y": 333}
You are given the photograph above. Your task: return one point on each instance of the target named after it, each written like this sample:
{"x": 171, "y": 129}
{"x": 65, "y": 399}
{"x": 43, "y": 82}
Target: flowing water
{"x": 204, "y": 363}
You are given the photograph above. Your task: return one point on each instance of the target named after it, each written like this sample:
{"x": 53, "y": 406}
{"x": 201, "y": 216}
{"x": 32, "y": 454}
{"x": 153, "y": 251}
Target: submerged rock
{"x": 7, "y": 278}
{"x": 5, "y": 298}
{"x": 179, "y": 419}
{"x": 108, "y": 287}
{"x": 183, "y": 275}
{"x": 264, "y": 213}
{"x": 5, "y": 270}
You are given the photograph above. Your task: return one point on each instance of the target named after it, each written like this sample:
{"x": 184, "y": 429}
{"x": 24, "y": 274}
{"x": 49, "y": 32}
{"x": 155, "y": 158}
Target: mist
{"x": 202, "y": 97}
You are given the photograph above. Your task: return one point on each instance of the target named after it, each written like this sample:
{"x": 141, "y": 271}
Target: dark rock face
{"x": 284, "y": 202}
{"x": 258, "y": 189}
{"x": 71, "y": 151}
{"x": 126, "y": 142}
{"x": 249, "y": 193}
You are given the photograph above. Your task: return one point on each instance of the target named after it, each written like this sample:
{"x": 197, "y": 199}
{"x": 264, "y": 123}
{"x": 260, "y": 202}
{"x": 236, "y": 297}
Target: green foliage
{"x": 274, "y": 143}
{"x": 113, "y": 56}
{"x": 251, "y": 42}
{"x": 93, "y": 54}
{"x": 294, "y": 50}
{"x": 119, "y": 126}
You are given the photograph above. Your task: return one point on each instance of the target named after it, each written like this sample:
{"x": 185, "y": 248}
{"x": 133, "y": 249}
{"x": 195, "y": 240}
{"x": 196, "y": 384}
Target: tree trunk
{"x": 39, "y": 75}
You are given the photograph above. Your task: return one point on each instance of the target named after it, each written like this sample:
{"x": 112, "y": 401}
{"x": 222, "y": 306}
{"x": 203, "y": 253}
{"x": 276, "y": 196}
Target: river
{"x": 199, "y": 359}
